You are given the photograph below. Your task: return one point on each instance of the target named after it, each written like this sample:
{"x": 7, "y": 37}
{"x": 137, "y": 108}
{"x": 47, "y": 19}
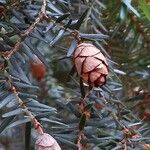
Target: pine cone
{"x": 91, "y": 64}
{"x": 46, "y": 142}
{"x": 146, "y": 146}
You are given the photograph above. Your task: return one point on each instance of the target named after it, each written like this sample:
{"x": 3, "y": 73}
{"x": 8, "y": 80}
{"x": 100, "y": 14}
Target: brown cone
{"x": 46, "y": 142}
{"x": 91, "y": 64}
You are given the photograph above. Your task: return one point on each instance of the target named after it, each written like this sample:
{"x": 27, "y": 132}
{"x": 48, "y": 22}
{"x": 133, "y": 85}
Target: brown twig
{"x": 35, "y": 122}
{"x": 79, "y": 141}
{"x": 7, "y": 56}
{"x": 42, "y": 15}
{"x": 82, "y": 107}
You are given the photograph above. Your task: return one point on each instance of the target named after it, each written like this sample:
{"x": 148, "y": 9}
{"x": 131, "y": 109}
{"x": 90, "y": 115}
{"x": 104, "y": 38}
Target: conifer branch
{"x": 41, "y": 16}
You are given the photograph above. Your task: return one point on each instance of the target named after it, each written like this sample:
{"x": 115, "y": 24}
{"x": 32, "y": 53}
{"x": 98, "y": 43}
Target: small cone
{"x": 46, "y": 142}
{"x": 91, "y": 64}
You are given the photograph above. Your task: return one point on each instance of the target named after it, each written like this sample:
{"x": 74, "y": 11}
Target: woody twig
{"x": 35, "y": 122}
{"x": 42, "y": 15}
{"x": 87, "y": 114}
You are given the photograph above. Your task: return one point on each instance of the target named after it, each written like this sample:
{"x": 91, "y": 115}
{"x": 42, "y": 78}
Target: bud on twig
{"x": 38, "y": 69}
{"x": 91, "y": 64}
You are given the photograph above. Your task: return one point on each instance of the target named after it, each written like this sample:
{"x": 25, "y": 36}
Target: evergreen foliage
{"x": 114, "y": 116}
